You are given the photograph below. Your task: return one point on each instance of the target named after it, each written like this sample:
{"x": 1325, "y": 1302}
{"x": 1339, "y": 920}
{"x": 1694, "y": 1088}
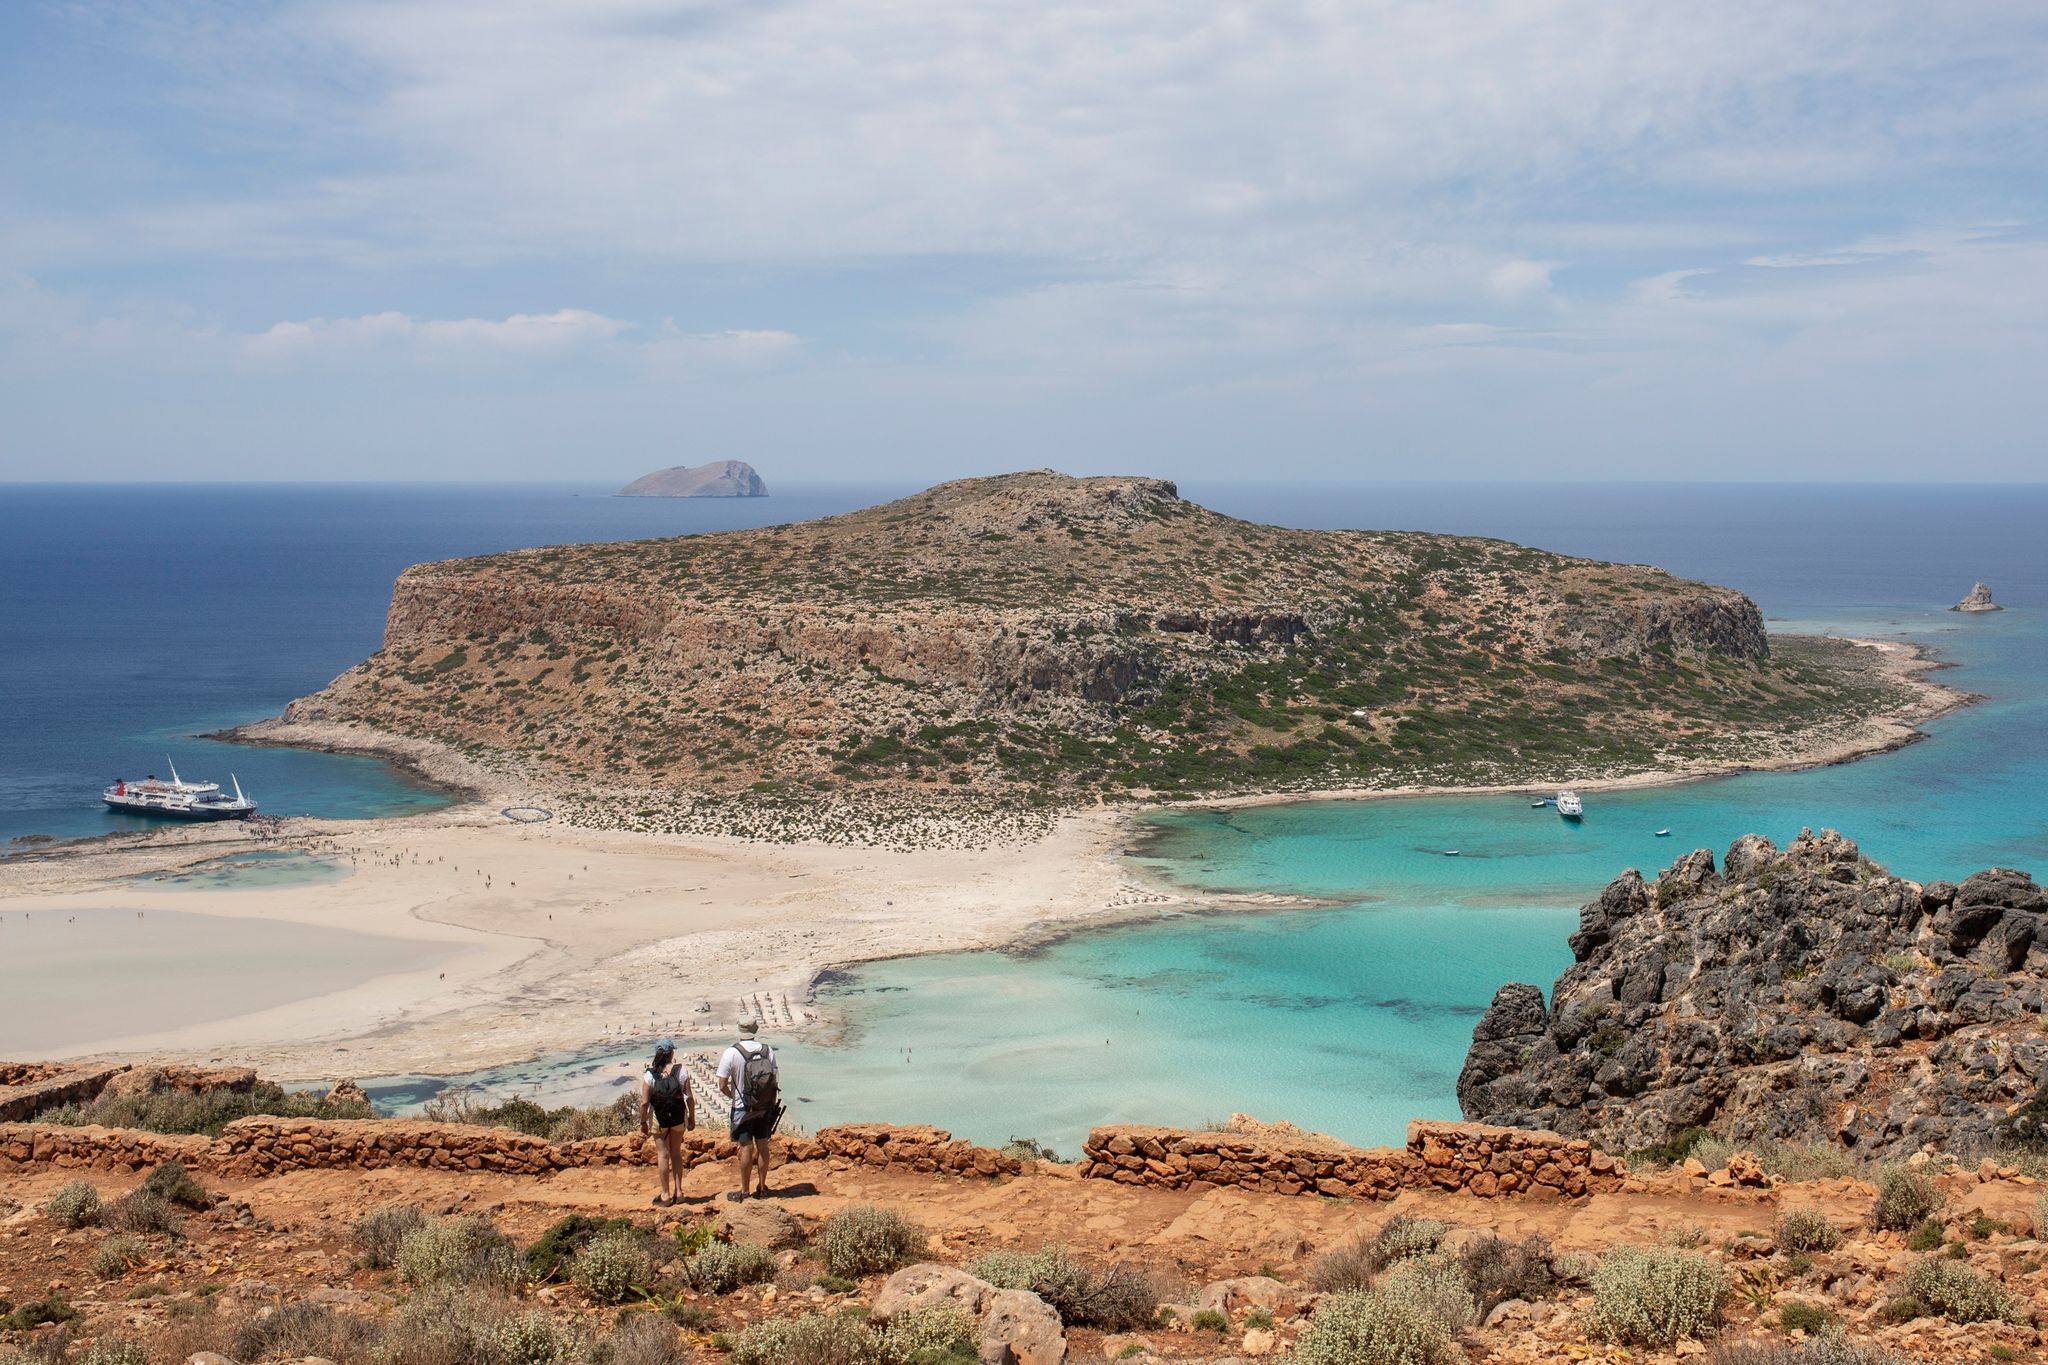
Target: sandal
{"x": 736, "y": 1196}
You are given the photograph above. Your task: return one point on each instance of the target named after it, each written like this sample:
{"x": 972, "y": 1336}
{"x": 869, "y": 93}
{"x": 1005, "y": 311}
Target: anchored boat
{"x": 178, "y": 799}
{"x": 1569, "y": 805}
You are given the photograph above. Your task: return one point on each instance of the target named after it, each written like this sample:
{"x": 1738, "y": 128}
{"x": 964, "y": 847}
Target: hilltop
{"x": 1037, "y": 640}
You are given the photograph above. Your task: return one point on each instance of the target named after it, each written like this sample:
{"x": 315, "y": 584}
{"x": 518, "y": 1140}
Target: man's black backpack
{"x": 669, "y": 1096}
{"x": 757, "y": 1080}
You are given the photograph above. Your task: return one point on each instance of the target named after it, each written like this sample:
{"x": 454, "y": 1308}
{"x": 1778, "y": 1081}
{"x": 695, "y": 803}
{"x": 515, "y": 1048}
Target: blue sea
{"x": 132, "y": 619}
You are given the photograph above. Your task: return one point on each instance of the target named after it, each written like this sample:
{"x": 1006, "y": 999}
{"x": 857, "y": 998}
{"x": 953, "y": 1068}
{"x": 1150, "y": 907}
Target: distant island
{"x": 1033, "y": 642}
{"x": 719, "y": 479}
{"x": 1978, "y": 600}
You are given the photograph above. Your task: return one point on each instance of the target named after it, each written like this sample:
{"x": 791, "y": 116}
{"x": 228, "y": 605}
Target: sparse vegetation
{"x": 458, "y": 1250}
{"x": 721, "y": 1267}
{"x": 1362, "y": 1327}
{"x": 868, "y": 1239}
{"x": 1959, "y": 1293}
{"x": 378, "y": 1234}
{"x": 118, "y": 1255}
{"x": 1116, "y": 1300}
{"x": 74, "y": 1205}
{"x": 1806, "y": 1230}
{"x": 1905, "y": 1199}
{"x": 1654, "y": 1296}
{"x": 612, "y": 1265}
{"x": 181, "y": 1111}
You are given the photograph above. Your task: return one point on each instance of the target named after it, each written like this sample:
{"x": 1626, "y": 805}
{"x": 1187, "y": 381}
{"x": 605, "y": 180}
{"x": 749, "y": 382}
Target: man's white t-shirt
{"x": 733, "y": 1067}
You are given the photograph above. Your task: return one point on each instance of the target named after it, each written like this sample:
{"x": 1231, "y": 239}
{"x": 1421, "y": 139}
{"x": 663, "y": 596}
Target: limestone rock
{"x": 1803, "y": 995}
{"x": 1260, "y": 1341}
{"x": 930, "y": 1286}
{"x": 762, "y": 1224}
{"x": 1978, "y": 600}
{"x": 1230, "y": 1297}
{"x": 1020, "y": 1328}
{"x": 719, "y": 479}
{"x": 347, "y": 1092}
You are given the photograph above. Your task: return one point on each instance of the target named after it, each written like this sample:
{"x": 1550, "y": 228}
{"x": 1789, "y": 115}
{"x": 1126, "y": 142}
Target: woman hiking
{"x": 665, "y": 1095}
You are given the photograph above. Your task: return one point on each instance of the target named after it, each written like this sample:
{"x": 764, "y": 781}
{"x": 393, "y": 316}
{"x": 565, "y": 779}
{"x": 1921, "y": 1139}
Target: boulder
{"x": 761, "y": 1223}
{"x": 931, "y": 1286}
{"x": 1230, "y": 1297}
{"x": 1978, "y": 599}
{"x": 1019, "y": 1328}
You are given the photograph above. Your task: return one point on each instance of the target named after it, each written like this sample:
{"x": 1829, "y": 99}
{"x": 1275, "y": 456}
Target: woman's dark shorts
{"x": 755, "y": 1128}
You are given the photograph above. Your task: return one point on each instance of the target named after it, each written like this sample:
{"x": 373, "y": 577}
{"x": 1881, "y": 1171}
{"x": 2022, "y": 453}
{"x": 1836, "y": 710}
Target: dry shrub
{"x": 118, "y": 1255}
{"x": 1497, "y": 1270}
{"x": 379, "y": 1233}
{"x": 813, "y": 1340}
{"x": 639, "y": 1339}
{"x": 1905, "y": 1199}
{"x": 1433, "y": 1285}
{"x": 721, "y": 1267}
{"x": 173, "y": 1183}
{"x": 463, "y": 1249}
{"x": 299, "y": 1330}
{"x": 1653, "y": 1296}
{"x": 1115, "y": 1300}
{"x": 74, "y": 1205}
{"x": 1806, "y": 1230}
{"x": 1959, "y": 1293}
{"x": 1363, "y": 1327}
{"x": 1831, "y": 1350}
{"x": 612, "y": 1265}
{"x": 867, "y": 1239}
{"x": 144, "y": 1211}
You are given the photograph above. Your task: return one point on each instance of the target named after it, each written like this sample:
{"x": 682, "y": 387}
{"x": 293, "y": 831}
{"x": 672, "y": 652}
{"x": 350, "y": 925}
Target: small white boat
{"x": 1539, "y": 805}
{"x": 1569, "y": 805}
{"x": 1450, "y": 853}
{"x": 1663, "y": 834}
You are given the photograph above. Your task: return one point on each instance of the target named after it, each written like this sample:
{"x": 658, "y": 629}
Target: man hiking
{"x": 665, "y": 1095}
{"x": 746, "y": 1076}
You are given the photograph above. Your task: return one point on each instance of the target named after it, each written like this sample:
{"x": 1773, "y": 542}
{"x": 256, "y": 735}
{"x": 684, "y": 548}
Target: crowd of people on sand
{"x": 749, "y": 1081}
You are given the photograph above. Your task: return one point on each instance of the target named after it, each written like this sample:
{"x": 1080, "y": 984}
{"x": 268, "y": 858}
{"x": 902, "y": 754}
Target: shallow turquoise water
{"x": 264, "y": 868}
{"x": 1356, "y": 1019}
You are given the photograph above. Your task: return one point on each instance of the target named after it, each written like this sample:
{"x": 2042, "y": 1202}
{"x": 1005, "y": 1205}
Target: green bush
{"x": 173, "y": 1183}
{"x": 1926, "y": 1237}
{"x": 1209, "y": 1320}
{"x": 721, "y": 1267}
{"x": 612, "y": 1265}
{"x": 1959, "y": 1293}
{"x": 927, "y": 1336}
{"x": 36, "y": 1312}
{"x": 145, "y": 1211}
{"x": 74, "y": 1205}
{"x": 1361, "y": 1327}
{"x": 1806, "y": 1230}
{"x": 1433, "y": 1285}
{"x": 118, "y": 1255}
{"x": 461, "y": 1250}
{"x": 1653, "y": 1296}
{"x": 1810, "y": 1318}
{"x": 1905, "y": 1199}
{"x": 379, "y": 1233}
{"x": 867, "y": 1239}
{"x": 813, "y": 1340}
{"x": 1403, "y": 1237}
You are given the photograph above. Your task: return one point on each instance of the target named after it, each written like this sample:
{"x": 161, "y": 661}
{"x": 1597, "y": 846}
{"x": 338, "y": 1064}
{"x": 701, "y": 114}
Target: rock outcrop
{"x": 1978, "y": 600}
{"x": 719, "y": 479}
{"x": 1039, "y": 638}
{"x": 1798, "y": 994}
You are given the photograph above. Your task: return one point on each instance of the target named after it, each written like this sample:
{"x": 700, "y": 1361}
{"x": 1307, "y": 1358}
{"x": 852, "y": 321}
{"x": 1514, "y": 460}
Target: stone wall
{"x": 266, "y": 1146}
{"x": 1452, "y": 1156}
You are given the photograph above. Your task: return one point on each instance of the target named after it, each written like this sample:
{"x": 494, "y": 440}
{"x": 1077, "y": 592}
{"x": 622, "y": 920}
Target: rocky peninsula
{"x": 719, "y": 479}
{"x": 1035, "y": 642}
{"x": 1799, "y": 995}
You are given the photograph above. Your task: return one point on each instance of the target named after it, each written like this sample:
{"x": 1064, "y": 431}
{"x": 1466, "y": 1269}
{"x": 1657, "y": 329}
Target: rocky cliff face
{"x": 719, "y": 479}
{"x": 1042, "y": 636}
{"x": 1802, "y": 994}
{"x": 1978, "y": 599}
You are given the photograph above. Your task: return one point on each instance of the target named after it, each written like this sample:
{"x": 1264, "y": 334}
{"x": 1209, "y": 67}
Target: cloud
{"x": 521, "y": 332}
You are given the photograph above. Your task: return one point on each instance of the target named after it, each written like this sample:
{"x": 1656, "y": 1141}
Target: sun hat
{"x": 750, "y": 1026}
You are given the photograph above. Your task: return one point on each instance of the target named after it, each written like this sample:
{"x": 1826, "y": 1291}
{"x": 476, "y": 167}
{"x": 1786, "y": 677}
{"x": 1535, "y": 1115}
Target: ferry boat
{"x": 1569, "y": 805}
{"x": 178, "y": 799}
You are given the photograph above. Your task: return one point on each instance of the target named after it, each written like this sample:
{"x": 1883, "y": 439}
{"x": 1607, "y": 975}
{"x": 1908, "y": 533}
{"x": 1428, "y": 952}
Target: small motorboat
{"x": 1663, "y": 834}
{"x": 1450, "y": 853}
{"x": 1569, "y": 805}
{"x": 1539, "y": 805}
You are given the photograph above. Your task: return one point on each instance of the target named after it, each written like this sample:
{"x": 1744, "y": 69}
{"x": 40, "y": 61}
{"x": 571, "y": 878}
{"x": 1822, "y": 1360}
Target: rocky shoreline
{"x": 1801, "y": 995}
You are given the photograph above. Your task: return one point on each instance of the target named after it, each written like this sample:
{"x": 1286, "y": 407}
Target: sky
{"x": 869, "y": 239}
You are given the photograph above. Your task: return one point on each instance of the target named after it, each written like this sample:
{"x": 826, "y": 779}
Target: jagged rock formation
{"x": 1803, "y": 994}
{"x": 1036, "y": 637}
{"x": 1978, "y": 600}
{"x": 719, "y": 479}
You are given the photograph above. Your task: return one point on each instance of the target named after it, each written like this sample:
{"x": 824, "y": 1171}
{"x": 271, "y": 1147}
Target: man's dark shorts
{"x": 756, "y": 1128}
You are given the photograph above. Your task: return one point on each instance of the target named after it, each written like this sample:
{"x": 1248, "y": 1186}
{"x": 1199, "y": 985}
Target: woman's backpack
{"x": 669, "y": 1097}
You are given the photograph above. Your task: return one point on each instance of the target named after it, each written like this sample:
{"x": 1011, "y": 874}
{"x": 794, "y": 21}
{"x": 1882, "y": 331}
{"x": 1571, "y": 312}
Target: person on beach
{"x": 665, "y": 1096}
{"x": 747, "y": 1077}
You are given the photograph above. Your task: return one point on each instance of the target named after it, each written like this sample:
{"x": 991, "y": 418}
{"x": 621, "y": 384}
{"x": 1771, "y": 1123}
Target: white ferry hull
{"x": 197, "y": 811}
